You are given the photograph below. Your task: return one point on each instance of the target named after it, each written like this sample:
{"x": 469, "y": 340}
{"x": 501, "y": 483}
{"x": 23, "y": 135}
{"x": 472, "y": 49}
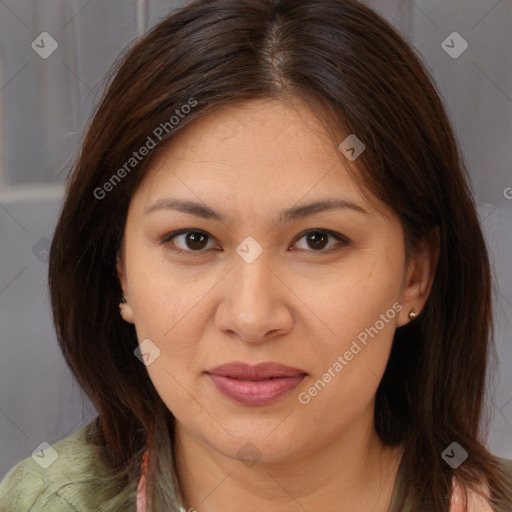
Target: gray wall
{"x": 45, "y": 103}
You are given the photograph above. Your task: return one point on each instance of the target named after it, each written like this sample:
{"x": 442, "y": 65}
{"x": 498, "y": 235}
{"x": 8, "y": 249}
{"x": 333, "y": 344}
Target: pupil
{"x": 196, "y": 240}
{"x": 314, "y": 240}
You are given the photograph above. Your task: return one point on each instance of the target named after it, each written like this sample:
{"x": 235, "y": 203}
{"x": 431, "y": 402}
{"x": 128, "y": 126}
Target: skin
{"x": 296, "y": 304}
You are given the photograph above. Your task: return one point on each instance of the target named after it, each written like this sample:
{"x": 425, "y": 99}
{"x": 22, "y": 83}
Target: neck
{"x": 352, "y": 472}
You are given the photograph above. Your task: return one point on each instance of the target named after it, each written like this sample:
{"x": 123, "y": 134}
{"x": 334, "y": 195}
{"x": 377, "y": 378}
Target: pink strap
{"x": 475, "y": 501}
{"x": 141, "y": 490}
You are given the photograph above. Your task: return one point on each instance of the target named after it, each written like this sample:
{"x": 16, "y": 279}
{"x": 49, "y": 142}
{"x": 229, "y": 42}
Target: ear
{"x": 124, "y": 308}
{"x": 420, "y": 274}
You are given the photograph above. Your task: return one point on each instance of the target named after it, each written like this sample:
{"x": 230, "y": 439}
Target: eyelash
{"x": 343, "y": 241}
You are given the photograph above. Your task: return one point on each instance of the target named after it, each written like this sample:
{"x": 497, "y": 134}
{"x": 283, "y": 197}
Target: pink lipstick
{"x": 262, "y": 384}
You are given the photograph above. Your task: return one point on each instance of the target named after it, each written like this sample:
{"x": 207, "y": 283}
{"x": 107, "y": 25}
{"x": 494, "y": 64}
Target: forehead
{"x": 263, "y": 150}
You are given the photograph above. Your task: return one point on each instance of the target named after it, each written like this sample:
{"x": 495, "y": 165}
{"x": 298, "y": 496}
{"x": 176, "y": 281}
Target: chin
{"x": 267, "y": 441}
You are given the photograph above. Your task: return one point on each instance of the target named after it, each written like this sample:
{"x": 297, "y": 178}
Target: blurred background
{"x": 53, "y": 59}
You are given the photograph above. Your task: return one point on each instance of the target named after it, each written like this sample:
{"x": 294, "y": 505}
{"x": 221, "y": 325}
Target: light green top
{"x": 70, "y": 483}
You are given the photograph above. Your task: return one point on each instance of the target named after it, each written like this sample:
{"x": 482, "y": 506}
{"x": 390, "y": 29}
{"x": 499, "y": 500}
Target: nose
{"x": 255, "y": 304}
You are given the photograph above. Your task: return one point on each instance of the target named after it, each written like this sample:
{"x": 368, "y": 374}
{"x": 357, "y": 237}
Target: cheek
{"x": 353, "y": 297}
{"x": 348, "y": 367}
{"x": 160, "y": 293}
{"x": 360, "y": 309}
{"x": 175, "y": 391}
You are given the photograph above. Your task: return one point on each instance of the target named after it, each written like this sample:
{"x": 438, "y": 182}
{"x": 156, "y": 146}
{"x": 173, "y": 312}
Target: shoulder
{"x": 68, "y": 484}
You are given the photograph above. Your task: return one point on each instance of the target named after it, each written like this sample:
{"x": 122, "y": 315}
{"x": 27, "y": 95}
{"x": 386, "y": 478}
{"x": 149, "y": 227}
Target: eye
{"x": 191, "y": 241}
{"x": 318, "y": 239}
{"x": 194, "y": 241}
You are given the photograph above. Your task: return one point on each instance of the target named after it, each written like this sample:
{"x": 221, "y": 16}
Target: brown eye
{"x": 195, "y": 240}
{"x": 188, "y": 241}
{"x": 317, "y": 240}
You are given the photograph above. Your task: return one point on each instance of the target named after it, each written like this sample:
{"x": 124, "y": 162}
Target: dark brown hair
{"x": 366, "y": 80}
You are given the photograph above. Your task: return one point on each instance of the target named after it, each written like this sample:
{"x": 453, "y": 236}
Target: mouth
{"x": 259, "y": 385}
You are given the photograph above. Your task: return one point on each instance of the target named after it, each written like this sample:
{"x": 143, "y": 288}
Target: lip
{"x": 258, "y": 385}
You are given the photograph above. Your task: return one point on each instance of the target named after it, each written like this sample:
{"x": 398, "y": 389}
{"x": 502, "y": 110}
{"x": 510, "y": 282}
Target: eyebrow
{"x": 288, "y": 215}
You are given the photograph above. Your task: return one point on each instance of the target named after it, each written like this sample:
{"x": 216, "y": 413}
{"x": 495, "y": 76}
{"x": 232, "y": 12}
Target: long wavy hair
{"x": 365, "y": 79}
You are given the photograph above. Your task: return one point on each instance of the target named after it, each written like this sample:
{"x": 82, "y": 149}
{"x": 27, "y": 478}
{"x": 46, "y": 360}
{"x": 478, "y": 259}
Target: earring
{"x": 122, "y": 301}
{"x": 413, "y": 315}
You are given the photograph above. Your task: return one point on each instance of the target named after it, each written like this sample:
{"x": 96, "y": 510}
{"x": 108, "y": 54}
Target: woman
{"x": 269, "y": 277}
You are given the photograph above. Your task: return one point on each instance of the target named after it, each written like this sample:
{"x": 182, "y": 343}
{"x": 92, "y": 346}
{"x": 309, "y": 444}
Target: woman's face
{"x": 245, "y": 282}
